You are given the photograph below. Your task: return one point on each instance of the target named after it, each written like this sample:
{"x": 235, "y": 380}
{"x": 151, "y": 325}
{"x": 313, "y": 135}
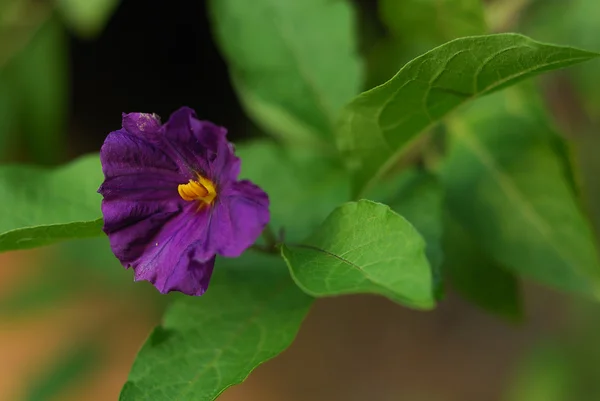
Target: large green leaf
{"x": 377, "y": 126}
{"x": 476, "y": 276}
{"x": 294, "y": 63}
{"x": 383, "y": 60}
{"x": 303, "y": 188}
{"x": 446, "y": 19}
{"x": 408, "y": 36}
{"x": 87, "y": 17}
{"x": 575, "y": 96}
{"x": 363, "y": 247}
{"x": 40, "y": 78}
{"x": 42, "y": 206}
{"x": 508, "y": 188}
{"x": 574, "y": 23}
{"x": 250, "y": 313}
{"x": 8, "y": 121}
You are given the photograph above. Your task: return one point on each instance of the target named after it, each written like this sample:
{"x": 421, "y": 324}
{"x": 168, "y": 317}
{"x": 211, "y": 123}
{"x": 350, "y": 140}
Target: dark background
{"x": 151, "y": 57}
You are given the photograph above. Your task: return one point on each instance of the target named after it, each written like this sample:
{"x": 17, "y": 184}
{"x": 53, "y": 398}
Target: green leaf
{"x": 43, "y": 206}
{"x": 293, "y": 63}
{"x": 573, "y": 23}
{"x": 87, "y": 17}
{"x": 508, "y": 188}
{"x": 417, "y": 196}
{"x": 363, "y": 247}
{"x": 8, "y": 121}
{"x": 250, "y": 313}
{"x": 303, "y": 188}
{"x": 40, "y": 75}
{"x": 575, "y": 96}
{"x": 433, "y": 21}
{"x": 477, "y": 277}
{"x": 408, "y": 35}
{"x": 377, "y": 126}
{"x": 383, "y": 60}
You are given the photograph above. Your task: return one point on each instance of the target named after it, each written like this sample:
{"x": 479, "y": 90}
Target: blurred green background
{"x": 71, "y": 319}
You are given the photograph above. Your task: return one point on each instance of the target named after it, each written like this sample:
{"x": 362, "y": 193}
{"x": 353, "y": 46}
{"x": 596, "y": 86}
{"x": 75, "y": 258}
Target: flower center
{"x": 202, "y": 190}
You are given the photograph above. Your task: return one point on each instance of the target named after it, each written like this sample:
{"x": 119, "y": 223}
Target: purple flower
{"x": 172, "y": 200}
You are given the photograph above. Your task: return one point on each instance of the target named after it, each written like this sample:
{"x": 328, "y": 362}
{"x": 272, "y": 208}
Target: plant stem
{"x": 271, "y": 242}
{"x": 269, "y": 236}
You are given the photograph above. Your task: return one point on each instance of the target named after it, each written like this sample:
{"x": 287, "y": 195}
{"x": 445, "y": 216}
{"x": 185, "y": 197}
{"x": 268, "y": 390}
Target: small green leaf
{"x": 477, "y": 277}
{"x": 363, "y": 247}
{"x": 507, "y": 187}
{"x": 418, "y": 197}
{"x": 87, "y": 17}
{"x": 250, "y": 313}
{"x": 294, "y": 63}
{"x": 43, "y": 206}
{"x": 303, "y": 188}
{"x": 377, "y": 126}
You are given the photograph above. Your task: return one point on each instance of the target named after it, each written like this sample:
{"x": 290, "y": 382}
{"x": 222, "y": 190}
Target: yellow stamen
{"x": 202, "y": 190}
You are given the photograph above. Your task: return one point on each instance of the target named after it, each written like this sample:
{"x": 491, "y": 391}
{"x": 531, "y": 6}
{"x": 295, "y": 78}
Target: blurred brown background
{"x": 349, "y": 348}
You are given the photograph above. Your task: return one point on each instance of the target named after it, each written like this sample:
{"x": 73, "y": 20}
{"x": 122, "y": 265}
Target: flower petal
{"x": 175, "y": 255}
{"x": 238, "y": 219}
{"x": 135, "y": 169}
{"x": 189, "y": 276}
{"x": 132, "y": 226}
{"x": 141, "y": 187}
{"x": 123, "y": 153}
{"x": 142, "y": 124}
{"x": 162, "y": 242}
{"x": 201, "y": 147}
